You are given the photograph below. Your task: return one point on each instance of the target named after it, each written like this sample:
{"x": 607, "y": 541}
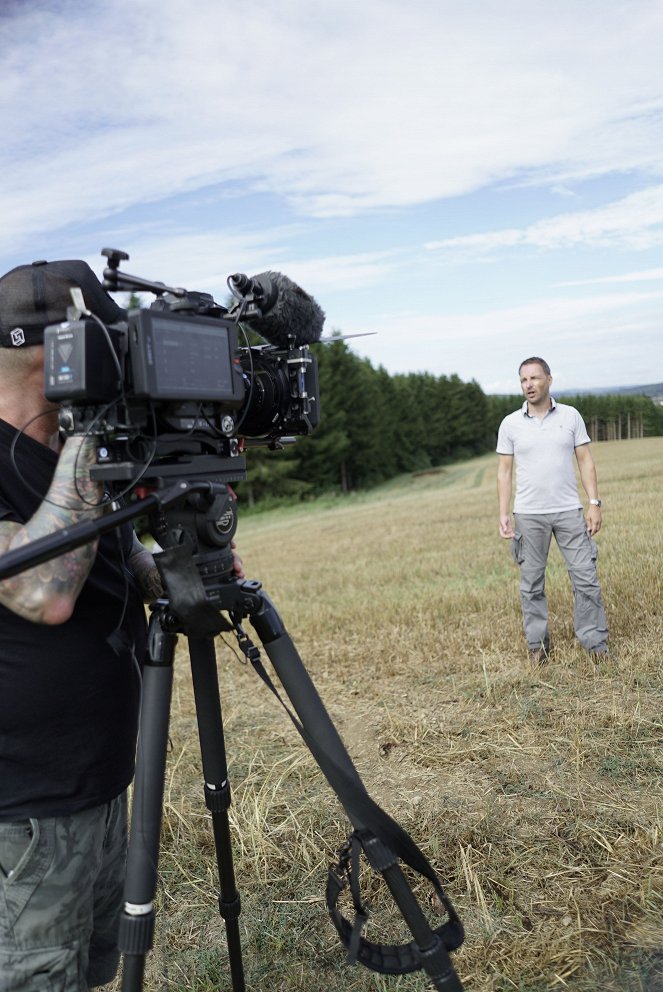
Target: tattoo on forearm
{"x": 72, "y": 497}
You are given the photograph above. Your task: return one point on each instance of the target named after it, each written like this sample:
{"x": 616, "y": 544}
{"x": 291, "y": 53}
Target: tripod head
{"x": 196, "y": 561}
{"x": 206, "y": 520}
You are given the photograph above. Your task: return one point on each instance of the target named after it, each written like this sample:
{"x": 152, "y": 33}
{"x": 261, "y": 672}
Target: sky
{"x": 466, "y": 184}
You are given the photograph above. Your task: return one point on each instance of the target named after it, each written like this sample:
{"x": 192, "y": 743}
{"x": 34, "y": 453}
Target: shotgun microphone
{"x": 279, "y": 310}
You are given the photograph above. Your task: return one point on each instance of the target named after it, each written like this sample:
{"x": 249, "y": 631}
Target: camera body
{"x": 168, "y": 383}
{"x": 158, "y": 355}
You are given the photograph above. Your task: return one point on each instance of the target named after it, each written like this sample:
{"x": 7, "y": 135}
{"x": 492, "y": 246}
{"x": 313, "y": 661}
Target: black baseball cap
{"x": 34, "y": 296}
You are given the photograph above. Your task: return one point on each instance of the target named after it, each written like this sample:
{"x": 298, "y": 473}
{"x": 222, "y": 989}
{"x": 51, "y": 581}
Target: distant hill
{"x": 655, "y": 390}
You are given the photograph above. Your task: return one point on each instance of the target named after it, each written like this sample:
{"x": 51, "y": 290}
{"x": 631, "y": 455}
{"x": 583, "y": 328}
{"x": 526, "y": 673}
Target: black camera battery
{"x": 79, "y": 364}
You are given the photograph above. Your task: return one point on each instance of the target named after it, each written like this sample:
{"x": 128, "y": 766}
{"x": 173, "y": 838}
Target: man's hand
{"x": 145, "y": 571}
{"x": 506, "y": 527}
{"x": 587, "y": 471}
{"x": 238, "y": 567}
{"x": 593, "y": 519}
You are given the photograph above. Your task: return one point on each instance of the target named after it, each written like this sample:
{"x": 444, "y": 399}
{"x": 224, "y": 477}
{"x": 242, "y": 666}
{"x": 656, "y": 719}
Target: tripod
{"x": 196, "y": 568}
{"x": 203, "y": 605}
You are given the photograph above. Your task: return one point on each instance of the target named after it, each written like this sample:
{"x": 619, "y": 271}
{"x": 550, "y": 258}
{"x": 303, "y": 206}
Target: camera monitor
{"x": 178, "y": 358}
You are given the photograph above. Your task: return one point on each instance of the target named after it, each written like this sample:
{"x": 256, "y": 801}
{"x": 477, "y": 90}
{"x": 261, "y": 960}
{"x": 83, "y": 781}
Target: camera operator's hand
{"x": 47, "y": 593}
{"x": 145, "y": 572}
{"x": 238, "y": 567}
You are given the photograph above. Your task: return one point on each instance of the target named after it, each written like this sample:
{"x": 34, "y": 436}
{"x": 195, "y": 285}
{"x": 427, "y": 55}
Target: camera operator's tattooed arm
{"x": 145, "y": 572}
{"x": 47, "y": 593}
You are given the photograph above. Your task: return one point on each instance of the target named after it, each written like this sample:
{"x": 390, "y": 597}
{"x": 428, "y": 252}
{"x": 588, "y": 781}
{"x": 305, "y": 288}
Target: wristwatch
{"x": 595, "y": 502}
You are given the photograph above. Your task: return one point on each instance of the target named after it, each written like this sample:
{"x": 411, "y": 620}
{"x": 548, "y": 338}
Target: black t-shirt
{"x": 68, "y": 699}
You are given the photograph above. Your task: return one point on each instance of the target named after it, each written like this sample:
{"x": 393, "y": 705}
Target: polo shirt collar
{"x": 553, "y": 406}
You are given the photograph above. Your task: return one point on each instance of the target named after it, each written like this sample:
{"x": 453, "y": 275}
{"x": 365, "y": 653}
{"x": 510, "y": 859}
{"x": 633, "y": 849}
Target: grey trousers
{"x": 531, "y": 546}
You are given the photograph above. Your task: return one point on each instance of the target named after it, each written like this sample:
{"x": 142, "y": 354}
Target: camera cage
{"x": 169, "y": 390}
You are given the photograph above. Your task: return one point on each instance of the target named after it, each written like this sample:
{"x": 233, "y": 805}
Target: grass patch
{"x": 535, "y": 792}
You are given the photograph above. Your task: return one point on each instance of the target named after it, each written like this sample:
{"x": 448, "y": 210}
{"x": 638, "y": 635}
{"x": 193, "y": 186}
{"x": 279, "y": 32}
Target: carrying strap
{"x": 388, "y": 959}
{"x": 186, "y": 592}
{"x": 383, "y": 841}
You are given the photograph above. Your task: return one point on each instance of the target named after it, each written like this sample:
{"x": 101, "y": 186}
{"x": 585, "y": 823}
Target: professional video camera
{"x": 170, "y": 386}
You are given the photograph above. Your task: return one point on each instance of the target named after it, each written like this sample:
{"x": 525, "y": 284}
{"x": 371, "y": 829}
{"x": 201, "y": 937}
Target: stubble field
{"x": 535, "y": 792}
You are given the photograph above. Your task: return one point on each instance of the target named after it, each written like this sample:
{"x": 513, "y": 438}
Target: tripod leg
{"x": 137, "y": 918}
{"x": 217, "y": 791}
{"x": 330, "y": 753}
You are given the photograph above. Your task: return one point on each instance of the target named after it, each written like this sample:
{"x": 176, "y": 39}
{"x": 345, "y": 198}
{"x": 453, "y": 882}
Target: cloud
{"x": 339, "y": 110}
{"x": 645, "y": 275}
{"x": 209, "y": 138}
{"x": 602, "y": 340}
{"x": 203, "y": 260}
{"x": 563, "y": 192}
{"x": 554, "y": 316}
{"x": 635, "y": 221}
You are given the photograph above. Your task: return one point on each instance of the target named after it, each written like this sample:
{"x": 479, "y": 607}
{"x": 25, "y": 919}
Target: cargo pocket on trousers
{"x": 26, "y": 851}
{"x": 16, "y": 841}
{"x": 41, "y": 969}
{"x": 593, "y": 548}
{"x": 517, "y": 549}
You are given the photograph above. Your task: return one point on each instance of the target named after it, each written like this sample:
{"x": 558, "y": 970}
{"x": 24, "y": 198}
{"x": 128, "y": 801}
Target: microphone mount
{"x": 255, "y": 297}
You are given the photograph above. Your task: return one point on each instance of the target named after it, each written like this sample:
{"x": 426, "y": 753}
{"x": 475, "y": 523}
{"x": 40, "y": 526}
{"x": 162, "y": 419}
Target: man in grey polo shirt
{"x": 543, "y": 437}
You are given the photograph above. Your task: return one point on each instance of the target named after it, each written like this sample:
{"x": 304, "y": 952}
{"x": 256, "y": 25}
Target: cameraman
{"x": 72, "y": 640}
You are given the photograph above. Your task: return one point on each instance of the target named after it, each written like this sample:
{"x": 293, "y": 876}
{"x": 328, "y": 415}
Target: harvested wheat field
{"x": 536, "y": 793}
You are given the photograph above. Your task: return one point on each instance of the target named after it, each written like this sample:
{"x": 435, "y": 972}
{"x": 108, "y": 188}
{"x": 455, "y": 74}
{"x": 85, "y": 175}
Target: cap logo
{"x": 18, "y": 336}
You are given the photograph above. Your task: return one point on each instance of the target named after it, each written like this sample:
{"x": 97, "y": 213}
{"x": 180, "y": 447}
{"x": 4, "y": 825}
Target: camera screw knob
{"x": 227, "y": 425}
{"x": 66, "y": 420}
{"x": 114, "y": 256}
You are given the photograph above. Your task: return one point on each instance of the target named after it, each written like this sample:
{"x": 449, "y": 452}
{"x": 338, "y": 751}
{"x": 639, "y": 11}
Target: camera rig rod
{"x": 68, "y": 538}
{"x": 116, "y": 281}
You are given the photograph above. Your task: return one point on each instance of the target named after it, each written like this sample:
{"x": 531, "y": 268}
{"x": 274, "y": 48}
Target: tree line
{"x": 375, "y": 426}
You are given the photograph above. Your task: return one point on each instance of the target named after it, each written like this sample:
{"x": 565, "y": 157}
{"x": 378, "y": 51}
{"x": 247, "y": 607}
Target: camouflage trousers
{"x": 61, "y": 888}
